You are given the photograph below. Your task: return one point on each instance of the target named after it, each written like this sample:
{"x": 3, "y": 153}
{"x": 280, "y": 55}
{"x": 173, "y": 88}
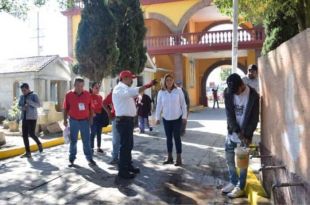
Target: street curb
{"x": 51, "y": 143}
{"x": 254, "y": 190}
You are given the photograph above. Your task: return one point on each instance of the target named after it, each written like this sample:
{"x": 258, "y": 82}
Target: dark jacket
{"x": 251, "y": 114}
{"x": 186, "y": 98}
{"x": 144, "y": 106}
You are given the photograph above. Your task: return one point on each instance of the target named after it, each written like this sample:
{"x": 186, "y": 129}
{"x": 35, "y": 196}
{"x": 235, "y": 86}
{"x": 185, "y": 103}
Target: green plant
{"x": 14, "y": 112}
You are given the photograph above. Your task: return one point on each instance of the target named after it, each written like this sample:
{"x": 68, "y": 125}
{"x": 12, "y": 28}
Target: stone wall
{"x": 285, "y": 84}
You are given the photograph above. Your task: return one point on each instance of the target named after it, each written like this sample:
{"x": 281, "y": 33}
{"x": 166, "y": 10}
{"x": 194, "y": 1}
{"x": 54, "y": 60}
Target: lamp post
{"x": 234, "y": 59}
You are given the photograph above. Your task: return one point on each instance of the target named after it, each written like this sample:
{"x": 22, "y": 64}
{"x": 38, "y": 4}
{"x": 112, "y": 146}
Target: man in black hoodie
{"x": 242, "y": 111}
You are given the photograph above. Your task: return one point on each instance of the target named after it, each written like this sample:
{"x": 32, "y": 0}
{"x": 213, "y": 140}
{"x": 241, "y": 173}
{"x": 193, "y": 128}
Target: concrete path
{"x": 47, "y": 179}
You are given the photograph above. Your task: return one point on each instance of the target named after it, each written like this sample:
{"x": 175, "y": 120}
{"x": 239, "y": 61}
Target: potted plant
{"x": 13, "y": 117}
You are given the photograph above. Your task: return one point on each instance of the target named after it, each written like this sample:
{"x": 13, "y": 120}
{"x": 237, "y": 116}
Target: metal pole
{"x": 234, "y": 59}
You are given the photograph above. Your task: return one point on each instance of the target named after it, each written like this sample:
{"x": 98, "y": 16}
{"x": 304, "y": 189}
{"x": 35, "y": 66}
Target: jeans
{"x": 83, "y": 127}
{"x": 124, "y": 128}
{"x": 116, "y": 141}
{"x": 28, "y": 129}
{"x": 173, "y": 130}
{"x": 214, "y": 103}
{"x": 96, "y": 130}
{"x": 236, "y": 180}
{"x": 143, "y": 123}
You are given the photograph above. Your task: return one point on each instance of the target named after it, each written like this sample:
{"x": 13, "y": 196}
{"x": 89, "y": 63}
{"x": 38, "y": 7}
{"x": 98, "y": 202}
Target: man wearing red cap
{"x": 125, "y": 111}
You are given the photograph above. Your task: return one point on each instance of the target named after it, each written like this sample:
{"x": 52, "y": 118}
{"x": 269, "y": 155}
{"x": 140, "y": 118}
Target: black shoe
{"x": 40, "y": 148}
{"x": 26, "y": 155}
{"x": 114, "y": 161}
{"x": 168, "y": 161}
{"x": 134, "y": 170}
{"x": 71, "y": 163}
{"x": 100, "y": 150}
{"x": 126, "y": 175}
{"x": 92, "y": 163}
{"x": 151, "y": 129}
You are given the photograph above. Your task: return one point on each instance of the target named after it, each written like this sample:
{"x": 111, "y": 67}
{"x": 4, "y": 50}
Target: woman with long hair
{"x": 97, "y": 106}
{"x": 171, "y": 106}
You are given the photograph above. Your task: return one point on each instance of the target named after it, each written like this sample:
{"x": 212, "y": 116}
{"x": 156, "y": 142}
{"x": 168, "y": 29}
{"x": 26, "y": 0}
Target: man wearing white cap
{"x": 125, "y": 111}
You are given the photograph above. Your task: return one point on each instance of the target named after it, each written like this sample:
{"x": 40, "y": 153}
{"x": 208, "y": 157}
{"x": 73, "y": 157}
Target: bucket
{"x": 242, "y": 157}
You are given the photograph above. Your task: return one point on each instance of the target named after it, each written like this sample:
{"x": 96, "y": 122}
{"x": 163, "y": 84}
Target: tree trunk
{"x": 307, "y": 13}
{"x": 301, "y": 15}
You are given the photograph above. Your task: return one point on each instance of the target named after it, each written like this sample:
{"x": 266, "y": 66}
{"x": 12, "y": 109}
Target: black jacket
{"x": 251, "y": 114}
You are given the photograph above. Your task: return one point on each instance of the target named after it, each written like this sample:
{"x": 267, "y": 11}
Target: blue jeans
{"x": 116, "y": 141}
{"x": 96, "y": 130}
{"x": 83, "y": 127}
{"x": 173, "y": 130}
{"x": 236, "y": 180}
{"x": 143, "y": 123}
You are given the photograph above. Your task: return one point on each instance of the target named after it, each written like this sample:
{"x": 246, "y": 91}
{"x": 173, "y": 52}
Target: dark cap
{"x": 234, "y": 81}
{"x": 252, "y": 67}
{"x": 24, "y": 85}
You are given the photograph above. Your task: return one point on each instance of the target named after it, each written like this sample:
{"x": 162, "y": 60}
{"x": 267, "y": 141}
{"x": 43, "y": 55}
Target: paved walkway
{"x": 46, "y": 179}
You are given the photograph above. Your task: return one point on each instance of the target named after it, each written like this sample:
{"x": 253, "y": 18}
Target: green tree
{"x": 225, "y": 72}
{"x": 96, "y": 49}
{"x": 255, "y": 11}
{"x": 282, "y": 19}
{"x": 131, "y": 34}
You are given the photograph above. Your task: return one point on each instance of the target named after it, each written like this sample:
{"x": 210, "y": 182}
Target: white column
{"x": 234, "y": 59}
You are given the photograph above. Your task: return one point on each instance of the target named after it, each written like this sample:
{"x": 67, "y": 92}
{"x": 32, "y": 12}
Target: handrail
{"x": 205, "y": 38}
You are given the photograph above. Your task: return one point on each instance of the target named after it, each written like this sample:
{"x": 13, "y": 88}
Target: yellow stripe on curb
{"x": 51, "y": 143}
{"x": 254, "y": 190}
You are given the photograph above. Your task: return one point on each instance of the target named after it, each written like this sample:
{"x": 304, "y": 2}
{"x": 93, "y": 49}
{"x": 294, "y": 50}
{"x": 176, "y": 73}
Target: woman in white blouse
{"x": 171, "y": 106}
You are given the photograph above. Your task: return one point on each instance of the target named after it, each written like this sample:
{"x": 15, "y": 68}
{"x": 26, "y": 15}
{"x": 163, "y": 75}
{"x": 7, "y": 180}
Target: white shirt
{"x": 172, "y": 105}
{"x": 240, "y": 105}
{"x": 253, "y": 83}
{"x": 123, "y": 100}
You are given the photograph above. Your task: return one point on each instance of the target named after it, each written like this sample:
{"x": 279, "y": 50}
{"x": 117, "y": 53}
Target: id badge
{"x": 81, "y": 106}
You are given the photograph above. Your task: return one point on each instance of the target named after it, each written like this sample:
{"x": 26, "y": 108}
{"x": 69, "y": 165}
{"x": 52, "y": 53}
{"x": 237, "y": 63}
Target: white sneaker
{"x": 228, "y": 188}
{"x": 236, "y": 193}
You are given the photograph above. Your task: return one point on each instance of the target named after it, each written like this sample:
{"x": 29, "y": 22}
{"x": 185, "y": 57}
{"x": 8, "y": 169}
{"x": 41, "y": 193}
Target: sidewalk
{"x": 47, "y": 179}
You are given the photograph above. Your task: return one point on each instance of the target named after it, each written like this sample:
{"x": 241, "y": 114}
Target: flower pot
{"x": 13, "y": 126}
{"x": 5, "y": 124}
{"x": 2, "y": 139}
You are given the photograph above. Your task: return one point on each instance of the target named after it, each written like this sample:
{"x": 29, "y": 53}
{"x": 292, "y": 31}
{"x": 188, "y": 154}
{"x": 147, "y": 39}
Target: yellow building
{"x": 189, "y": 38}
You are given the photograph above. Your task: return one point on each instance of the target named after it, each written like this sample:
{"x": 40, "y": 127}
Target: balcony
{"x": 206, "y": 41}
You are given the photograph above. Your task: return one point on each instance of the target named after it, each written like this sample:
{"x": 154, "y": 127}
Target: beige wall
{"x": 285, "y": 82}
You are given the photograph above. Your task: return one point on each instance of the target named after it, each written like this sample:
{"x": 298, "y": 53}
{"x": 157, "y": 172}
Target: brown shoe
{"x": 179, "y": 160}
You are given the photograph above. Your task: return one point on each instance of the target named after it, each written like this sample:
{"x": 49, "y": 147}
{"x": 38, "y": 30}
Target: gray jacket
{"x": 33, "y": 101}
{"x": 251, "y": 114}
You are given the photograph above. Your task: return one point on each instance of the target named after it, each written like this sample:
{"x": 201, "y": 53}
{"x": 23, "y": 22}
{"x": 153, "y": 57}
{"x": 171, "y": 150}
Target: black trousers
{"x": 173, "y": 130}
{"x": 124, "y": 129}
{"x": 28, "y": 129}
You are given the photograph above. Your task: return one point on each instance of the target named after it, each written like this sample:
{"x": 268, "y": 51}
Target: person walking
{"x": 252, "y": 78}
{"x": 172, "y": 105}
{"x": 116, "y": 144}
{"x": 186, "y": 96}
{"x": 215, "y": 98}
{"x": 98, "y": 119}
{"x": 144, "y": 105}
{"x": 78, "y": 108}
{"x": 28, "y": 104}
{"x": 125, "y": 110}
{"x": 242, "y": 110}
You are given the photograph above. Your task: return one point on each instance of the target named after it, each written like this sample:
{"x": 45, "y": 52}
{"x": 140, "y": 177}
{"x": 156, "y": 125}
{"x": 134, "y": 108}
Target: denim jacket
{"x": 251, "y": 114}
{"x": 33, "y": 101}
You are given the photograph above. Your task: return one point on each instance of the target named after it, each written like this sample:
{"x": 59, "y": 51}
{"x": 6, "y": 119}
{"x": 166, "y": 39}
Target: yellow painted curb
{"x": 254, "y": 190}
{"x": 51, "y": 143}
